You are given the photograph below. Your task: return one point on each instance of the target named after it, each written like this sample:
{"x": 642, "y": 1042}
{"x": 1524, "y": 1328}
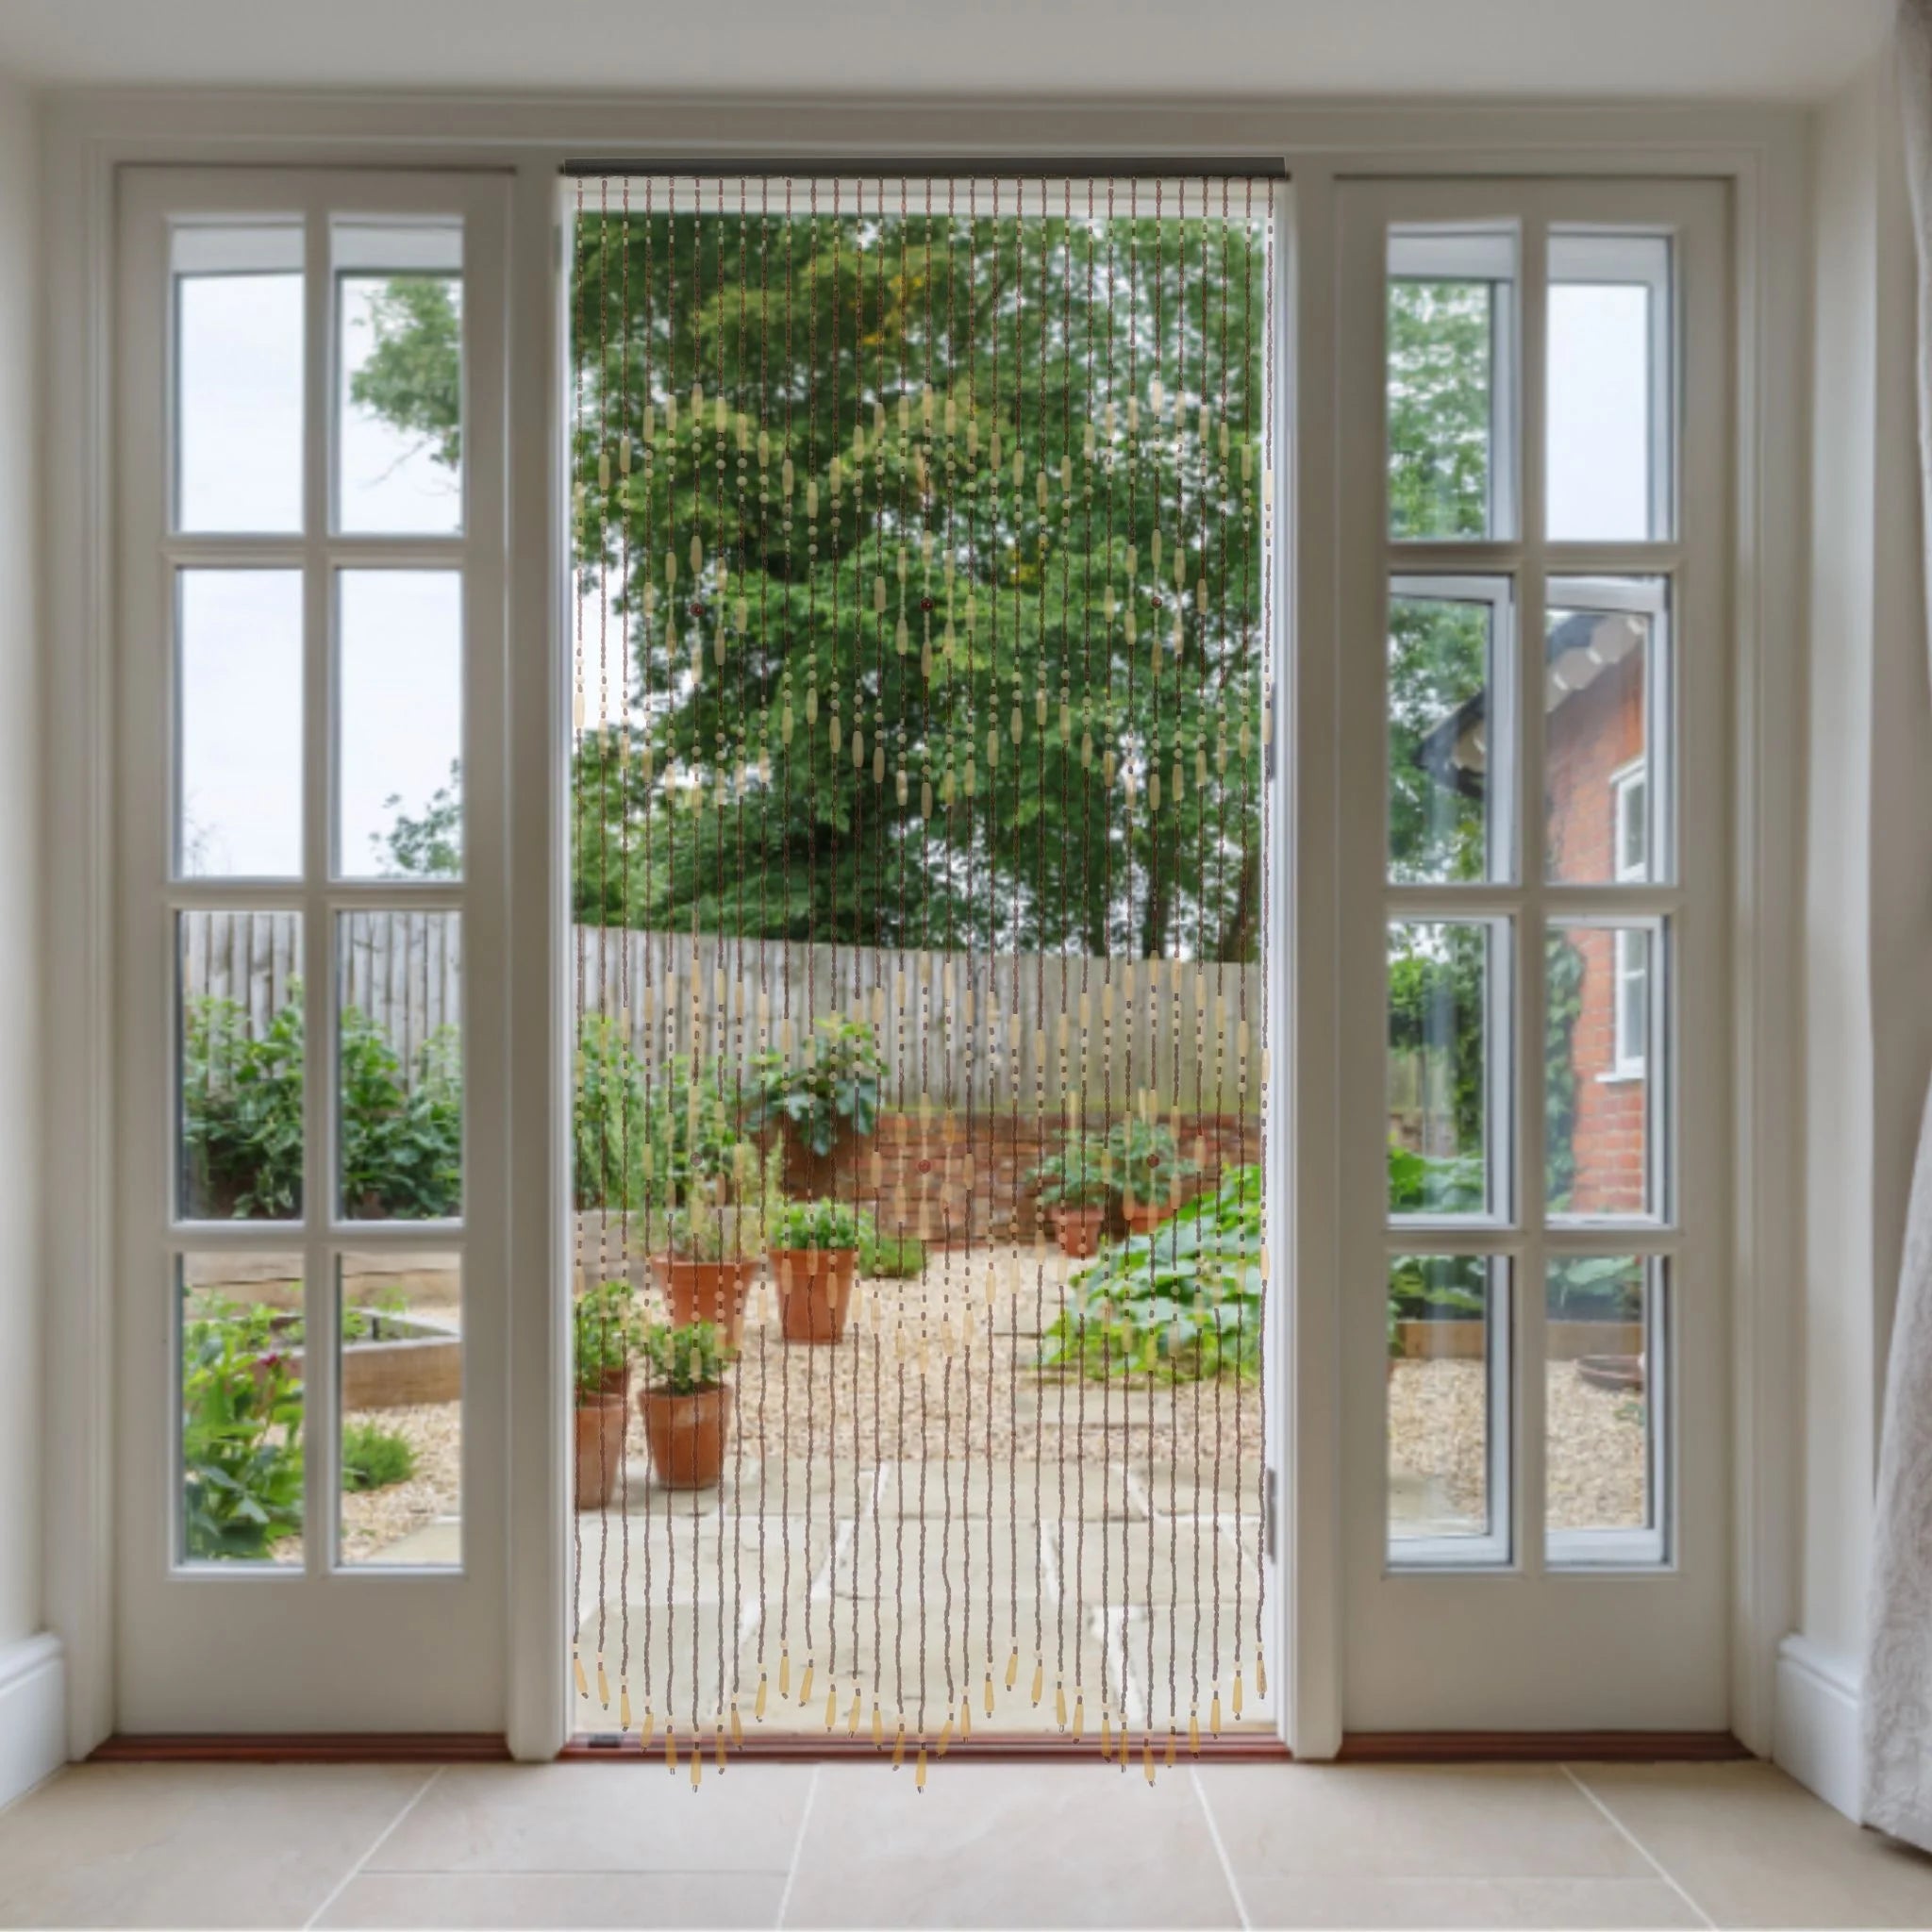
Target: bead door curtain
{"x": 920, "y": 599}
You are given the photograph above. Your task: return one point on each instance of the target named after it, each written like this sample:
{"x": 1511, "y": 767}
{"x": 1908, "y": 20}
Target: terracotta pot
{"x": 1078, "y": 1230}
{"x": 600, "y": 1450}
{"x": 686, "y": 1435}
{"x": 711, "y": 1291}
{"x": 1143, "y": 1217}
{"x": 814, "y": 1290}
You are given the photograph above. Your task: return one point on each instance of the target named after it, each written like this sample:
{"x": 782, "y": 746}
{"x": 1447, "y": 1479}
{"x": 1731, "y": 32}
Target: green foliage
{"x": 1563, "y": 1005}
{"x": 1438, "y": 662}
{"x": 1076, "y": 1175}
{"x": 687, "y": 1361}
{"x": 374, "y": 1458}
{"x": 706, "y": 1228}
{"x": 429, "y": 846}
{"x": 833, "y": 1088}
{"x": 242, "y": 1128}
{"x": 826, "y": 1223}
{"x": 1419, "y": 1184}
{"x": 402, "y": 1130}
{"x": 1597, "y": 1287}
{"x": 1147, "y": 1165}
{"x": 241, "y": 1437}
{"x": 605, "y": 1332}
{"x": 1438, "y": 408}
{"x": 412, "y": 375}
{"x": 891, "y": 1256}
{"x": 640, "y": 1143}
{"x": 1181, "y": 1304}
{"x": 1451, "y": 1286}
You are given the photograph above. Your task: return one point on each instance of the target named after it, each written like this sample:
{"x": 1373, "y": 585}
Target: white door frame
{"x": 91, "y": 135}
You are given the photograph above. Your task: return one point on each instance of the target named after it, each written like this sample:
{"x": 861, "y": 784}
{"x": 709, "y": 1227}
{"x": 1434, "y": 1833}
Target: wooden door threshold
{"x": 984, "y": 1748}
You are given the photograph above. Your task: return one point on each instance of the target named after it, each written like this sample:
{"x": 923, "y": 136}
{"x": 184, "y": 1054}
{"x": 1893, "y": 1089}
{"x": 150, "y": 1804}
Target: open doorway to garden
{"x": 920, "y": 607}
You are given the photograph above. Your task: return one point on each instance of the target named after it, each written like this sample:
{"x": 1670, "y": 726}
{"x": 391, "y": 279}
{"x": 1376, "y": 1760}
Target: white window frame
{"x": 1630, "y": 1056}
{"x": 276, "y": 1623}
{"x": 96, "y": 142}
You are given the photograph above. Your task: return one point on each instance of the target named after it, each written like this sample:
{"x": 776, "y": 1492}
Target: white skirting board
{"x": 33, "y": 1713}
{"x": 1815, "y": 1732}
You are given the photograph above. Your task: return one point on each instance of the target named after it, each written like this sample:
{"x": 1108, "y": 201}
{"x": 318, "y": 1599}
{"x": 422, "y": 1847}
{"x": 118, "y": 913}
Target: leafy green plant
{"x": 891, "y": 1256}
{"x": 374, "y": 1458}
{"x": 1077, "y": 1175}
{"x": 241, "y": 1128}
{"x": 1422, "y": 1287}
{"x": 826, "y": 1223}
{"x": 1597, "y": 1287}
{"x": 687, "y": 1361}
{"x": 1432, "y": 1184}
{"x": 241, "y": 1437}
{"x": 728, "y": 1217}
{"x": 833, "y": 1088}
{"x": 1181, "y": 1304}
{"x": 605, "y": 1332}
{"x": 1145, "y": 1163}
{"x": 402, "y": 1135}
{"x": 640, "y": 1143}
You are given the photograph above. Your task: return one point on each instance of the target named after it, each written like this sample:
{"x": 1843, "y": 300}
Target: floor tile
{"x": 1752, "y": 1848}
{"x": 193, "y": 1844}
{"x": 516, "y": 1899}
{"x": 1548, "y": 1903}
{"x": 1006, "y": 1844}
{"x": 1282, "y": 1824}
{"x": 592, "y": 1818}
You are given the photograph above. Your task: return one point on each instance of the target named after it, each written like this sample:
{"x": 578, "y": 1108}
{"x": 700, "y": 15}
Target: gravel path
{"x": 373, "y": 1519}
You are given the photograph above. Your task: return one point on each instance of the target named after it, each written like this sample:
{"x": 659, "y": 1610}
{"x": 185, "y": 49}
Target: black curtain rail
{"x": 945, "y": 168}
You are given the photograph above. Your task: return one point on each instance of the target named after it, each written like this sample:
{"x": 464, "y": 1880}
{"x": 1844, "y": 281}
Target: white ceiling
{"x": 1788, "y": 49}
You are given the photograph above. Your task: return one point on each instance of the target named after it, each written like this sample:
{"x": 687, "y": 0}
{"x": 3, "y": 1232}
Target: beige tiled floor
{"x": 994, "y": 1845}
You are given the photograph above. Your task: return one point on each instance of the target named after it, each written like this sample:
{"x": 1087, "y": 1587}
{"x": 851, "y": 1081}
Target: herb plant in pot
{"x": 1074, "y": 1187}
{"x": 686, "y": 1403}
{"x": 815, "y": 1254}
{"x": 612, "y": 1308}
{"x": 1150, "y": 1170}
{"x": 819, "y": 1104}
{"x": 707, "y": 1275}
{"x": 601, "y": 1363}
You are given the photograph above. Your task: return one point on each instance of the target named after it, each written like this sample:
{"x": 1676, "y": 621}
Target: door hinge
{"x": 1268, "y": 1516}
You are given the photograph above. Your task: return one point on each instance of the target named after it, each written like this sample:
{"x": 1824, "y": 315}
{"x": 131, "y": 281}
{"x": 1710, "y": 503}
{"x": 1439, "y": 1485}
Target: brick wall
{"x": 1592, "y": 736}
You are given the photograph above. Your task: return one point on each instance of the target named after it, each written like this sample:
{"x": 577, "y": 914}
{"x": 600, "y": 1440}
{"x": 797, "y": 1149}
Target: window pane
{"x": 400, "y": 741}
{"x": 241, "y": 1408}
{"x": 400, "y": 1065}
{"x": 1604, "y": 1408}
{"x": 238, "y": 377}
{"x": 399, "y": 314}
{"x": 1598, "y": 1093}
{"x": 1446, "y": 815}
{"x": 239, "y": 691}
{"x": 1602, "y": 670}
{"x": 1440, "y": 1156}
{"x": 240, "y": 1047}
{"x": 1609, "y": 387}
{"x": 1447, "y": 1378}
{"x": 1450, "y": 382}
{"x": 400, "y": 1383}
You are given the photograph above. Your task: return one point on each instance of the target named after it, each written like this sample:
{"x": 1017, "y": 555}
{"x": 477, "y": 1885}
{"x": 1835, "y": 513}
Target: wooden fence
{"x": 955, "y": 1028}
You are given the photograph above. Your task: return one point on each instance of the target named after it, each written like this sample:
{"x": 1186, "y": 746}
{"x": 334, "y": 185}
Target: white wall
{"x": 1868, "y": 898}
{"x": 29, "y": 1672}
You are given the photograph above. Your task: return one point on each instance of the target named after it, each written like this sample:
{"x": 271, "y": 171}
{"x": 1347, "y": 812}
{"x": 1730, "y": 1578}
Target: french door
{"x": 1533, "y": 510}
{"x": 310, "y": 1367}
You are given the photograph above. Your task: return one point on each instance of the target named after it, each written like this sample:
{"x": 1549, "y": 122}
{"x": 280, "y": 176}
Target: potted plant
{"x": 1072, "y": 1186}
{"x": 814, "y": 1254}
{"x": 1149, "y": 1170}
{"x": 601, "y": 1355}
{"x": 684, "y": 1403}
{"x": 828, "y": 1099}
{"x": 714, "y": 1247}
{"x": 612, "y": 1308}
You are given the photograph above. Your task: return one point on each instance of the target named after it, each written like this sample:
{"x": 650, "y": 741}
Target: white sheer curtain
{"x": 1897, "y": 1692}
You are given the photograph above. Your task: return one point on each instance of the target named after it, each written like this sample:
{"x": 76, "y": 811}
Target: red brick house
{"x": 1599, "y": 798}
